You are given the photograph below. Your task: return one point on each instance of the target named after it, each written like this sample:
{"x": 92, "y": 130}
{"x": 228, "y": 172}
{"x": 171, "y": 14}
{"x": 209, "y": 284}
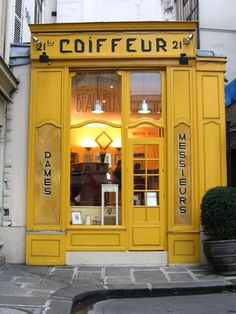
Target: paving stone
{"x": 11, "y": 289}
{"x": 181, "y": 277}
{"x": 207, "y": 277}
{"x": 68, "y": 292}
{"x": 191, "y": 284}
{"x": 27, "y": 279}
{"x": 88, "y": 288}
{"x": 117, "y": 271}
{"x": 92, "y": 281}
{"x": 90, "y": 268}
{"x": 174, "y": 269}
{"x": 135, "y": 286}
{"x": 89, "y": 275}
{"x": 42, "y": 293}
{"x": 37, "y": 270}
{"x": 6, "y": 278}
{"x": 149, "y": 277}
{"x": 19, "y": 310}
{"x": 59, "y": 307}
{"x": 146, "y": 268}
{"x": 21, "y": 300}
{"x": 117, "y": 280}
{"x": 47, "y": 285}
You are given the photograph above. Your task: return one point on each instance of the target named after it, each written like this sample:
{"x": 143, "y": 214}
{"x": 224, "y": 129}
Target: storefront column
{"x": 183, "y": 212}
{"x": 45, "y": 226}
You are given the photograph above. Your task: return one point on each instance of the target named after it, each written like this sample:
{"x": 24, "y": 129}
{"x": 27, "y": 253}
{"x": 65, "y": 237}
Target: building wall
{"x": 106, "y": 10}
{"x": 15, "y": 172}
{"x": 217, "y": 27}
{"x": 13, "y": 149}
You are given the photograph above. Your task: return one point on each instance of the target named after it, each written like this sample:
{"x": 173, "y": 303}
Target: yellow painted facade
{"x": 188, "y": 138}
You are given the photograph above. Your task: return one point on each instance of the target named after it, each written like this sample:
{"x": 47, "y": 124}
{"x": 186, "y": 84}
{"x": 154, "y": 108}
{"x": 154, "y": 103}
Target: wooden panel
{"x": 45, "y": 249}
{"x": 146, "y": 236}
{"x": 153, "y": 214}
{"x": 48, "y": 96}
{"x": 212, "y": 155}
{"x": 96, "y": 240}
{"x": 139, "y": 214}
{"x": 181, "y": 94}
{"x": 210, "y": 97}
{"x": 47, "y": 176}
{"x": 184, "y": 248}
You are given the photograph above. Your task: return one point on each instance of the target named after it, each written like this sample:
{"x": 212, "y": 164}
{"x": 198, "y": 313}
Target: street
{"x": 190, "y": 304}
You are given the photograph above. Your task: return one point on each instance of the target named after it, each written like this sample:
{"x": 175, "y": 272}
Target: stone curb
{"x": 84, "y": 299}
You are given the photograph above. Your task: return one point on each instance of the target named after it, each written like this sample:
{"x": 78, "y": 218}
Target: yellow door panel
{"x": 153, "y": 214}
{"x": 146, "y": 236}
{"x": 139, "y": 214}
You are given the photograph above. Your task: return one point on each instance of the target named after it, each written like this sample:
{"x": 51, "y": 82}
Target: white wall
{"x": 15, "y": 171}
{"x": 48, "y": 8}
{"x": 217, "y": 24}
{"x": 107, "y": 10}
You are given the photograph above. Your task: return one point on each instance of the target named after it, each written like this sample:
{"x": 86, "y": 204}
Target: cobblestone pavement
{"x": 43, "y": 289}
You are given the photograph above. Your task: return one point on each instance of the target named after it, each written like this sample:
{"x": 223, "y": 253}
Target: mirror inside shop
{"x": 96, "y": 145}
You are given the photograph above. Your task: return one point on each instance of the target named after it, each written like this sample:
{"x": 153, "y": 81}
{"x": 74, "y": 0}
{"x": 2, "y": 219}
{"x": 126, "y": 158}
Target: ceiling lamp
{"x": 97, "y": 107}
{"x": 144, "y": 107}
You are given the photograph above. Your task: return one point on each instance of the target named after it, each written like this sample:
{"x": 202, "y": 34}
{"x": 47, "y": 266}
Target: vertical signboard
{"x": 183, "y": 175}
{"x": 47, "y": 176}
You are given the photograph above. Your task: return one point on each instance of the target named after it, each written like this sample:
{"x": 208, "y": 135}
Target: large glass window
{"x": 96, "y": 149}
{"x": 145, "y": 95}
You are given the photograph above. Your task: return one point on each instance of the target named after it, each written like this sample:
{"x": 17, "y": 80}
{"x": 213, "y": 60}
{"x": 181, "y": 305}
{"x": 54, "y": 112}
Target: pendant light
{"x": 144, "y": 107}
{"x": 97, "y": 107}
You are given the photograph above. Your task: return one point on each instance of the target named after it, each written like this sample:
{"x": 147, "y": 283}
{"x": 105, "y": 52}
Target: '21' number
{"x": 177, "y": 44}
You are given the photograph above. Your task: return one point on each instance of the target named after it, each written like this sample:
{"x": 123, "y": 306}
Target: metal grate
{"x": 17, "y": 30}
{"x": 18, "y": 8}
{"x": 18, "y": 21}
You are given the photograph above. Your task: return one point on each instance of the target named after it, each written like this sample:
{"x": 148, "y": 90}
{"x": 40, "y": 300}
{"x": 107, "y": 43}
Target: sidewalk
{"x": 51, "y": 290}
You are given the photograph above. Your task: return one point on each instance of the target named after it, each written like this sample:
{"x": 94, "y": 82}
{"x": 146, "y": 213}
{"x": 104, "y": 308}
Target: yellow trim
{"x": 45, "y": 249}
{"x": 113, "y": 26}
{"x": 184, "y": 248}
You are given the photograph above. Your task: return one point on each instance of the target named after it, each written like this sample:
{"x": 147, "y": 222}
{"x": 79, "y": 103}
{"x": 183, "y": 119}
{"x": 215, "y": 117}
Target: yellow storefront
{"x": 135, "y": 92}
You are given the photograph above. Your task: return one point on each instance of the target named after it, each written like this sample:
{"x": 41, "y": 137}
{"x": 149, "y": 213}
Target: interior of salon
{"x": 97, "y": 137}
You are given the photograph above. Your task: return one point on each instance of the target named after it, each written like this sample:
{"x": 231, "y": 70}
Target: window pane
{"x": 145, "y": 95}
{"x": 139, "y": 151}
{"x": 152, "y": 151}
{"x": 89, "y": 87}
{"x": 95, "y": 150}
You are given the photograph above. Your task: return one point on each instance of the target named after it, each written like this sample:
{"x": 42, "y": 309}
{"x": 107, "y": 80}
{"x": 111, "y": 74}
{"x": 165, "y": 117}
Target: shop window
{"x": 145, "y": 95}
{"x": 95, "y": 193}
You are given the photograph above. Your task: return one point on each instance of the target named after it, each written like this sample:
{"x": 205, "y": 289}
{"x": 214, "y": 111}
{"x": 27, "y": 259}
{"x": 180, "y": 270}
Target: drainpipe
{"x": 2, "y": 146}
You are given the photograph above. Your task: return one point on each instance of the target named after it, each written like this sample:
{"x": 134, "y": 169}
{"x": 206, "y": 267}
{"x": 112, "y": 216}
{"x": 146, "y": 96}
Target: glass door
{"x": 145, "y": 179}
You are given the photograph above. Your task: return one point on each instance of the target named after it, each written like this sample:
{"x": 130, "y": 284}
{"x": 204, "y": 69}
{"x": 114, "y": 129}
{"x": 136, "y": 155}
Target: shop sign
{"x": 47, "y": 175}
{"x": 147, "y": 45}
{"x": 182, "y": 174}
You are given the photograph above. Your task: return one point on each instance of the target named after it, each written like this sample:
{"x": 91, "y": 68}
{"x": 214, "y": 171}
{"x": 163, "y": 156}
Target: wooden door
{"x": 146, "y": 190}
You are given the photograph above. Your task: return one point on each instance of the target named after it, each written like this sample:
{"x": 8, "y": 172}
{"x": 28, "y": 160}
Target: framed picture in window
{"x": 88, "y": 157}
{"x": 76, "y": 218}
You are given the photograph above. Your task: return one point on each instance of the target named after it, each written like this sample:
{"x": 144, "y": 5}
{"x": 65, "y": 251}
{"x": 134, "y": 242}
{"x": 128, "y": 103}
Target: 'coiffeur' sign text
{"x": 117, "y": 45}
